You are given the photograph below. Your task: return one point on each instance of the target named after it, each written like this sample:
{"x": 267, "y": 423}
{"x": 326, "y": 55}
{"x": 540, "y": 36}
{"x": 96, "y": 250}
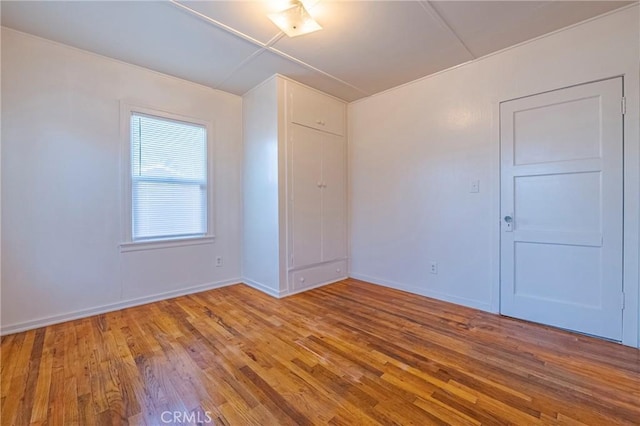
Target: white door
{"x": 306, "y": 199}
{"x": 334, "y": 198}
{"x": 561, "y": 204}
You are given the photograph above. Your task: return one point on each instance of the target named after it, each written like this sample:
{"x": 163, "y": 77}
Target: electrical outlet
{"x": 219, "y": 261}
{"x": 474, "y": 186}
{"x": 433, "y": 267}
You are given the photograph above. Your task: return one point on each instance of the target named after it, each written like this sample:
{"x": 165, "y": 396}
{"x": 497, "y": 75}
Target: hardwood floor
{"x": 346, "y": 354}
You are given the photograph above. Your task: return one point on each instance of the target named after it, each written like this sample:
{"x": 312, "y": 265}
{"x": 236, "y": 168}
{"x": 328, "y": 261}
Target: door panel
{"x": 334, "y": 199}
{"x": 561, "y": 183}
{"x": 577, "y": 267}
{"x": 559, "y": 139}
{"x": 306, "y": 206}
{"x": 319, "y": 111}
{"x": 549, "y": 202}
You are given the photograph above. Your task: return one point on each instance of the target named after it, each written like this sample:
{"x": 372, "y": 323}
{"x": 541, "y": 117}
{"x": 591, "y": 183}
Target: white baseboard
{"x": 56, "y": 319}
{"x": 261, "y": 287}
{"x": 83, "y": 313}
{"x": 471, "y": 303}
{"x": 285, "y": 293}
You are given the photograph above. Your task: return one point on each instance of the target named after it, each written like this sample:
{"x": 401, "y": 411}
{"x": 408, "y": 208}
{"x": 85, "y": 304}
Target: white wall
{"x": 413, "y": 151}
{"x": 0, "y": 184}
{"x": 261, "y": 232}
{"x": 61, "y": 185}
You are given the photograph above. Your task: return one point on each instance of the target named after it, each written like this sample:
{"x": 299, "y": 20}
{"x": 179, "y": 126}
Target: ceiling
{"x": 365, "y": 46}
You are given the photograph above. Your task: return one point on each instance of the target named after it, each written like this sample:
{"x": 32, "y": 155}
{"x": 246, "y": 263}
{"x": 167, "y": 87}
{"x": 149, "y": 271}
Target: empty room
{"x": 311, "y": 212}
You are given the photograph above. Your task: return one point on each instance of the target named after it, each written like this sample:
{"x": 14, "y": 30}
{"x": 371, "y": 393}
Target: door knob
{"x": 508, "y": 220}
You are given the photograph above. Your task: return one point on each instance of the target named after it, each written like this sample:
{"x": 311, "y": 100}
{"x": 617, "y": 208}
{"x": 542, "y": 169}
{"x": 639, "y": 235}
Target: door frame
{"x": 631, "y": 206}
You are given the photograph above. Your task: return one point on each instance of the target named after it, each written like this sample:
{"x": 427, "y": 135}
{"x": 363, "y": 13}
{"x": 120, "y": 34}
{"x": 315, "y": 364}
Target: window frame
{"x": 128, "y": 244}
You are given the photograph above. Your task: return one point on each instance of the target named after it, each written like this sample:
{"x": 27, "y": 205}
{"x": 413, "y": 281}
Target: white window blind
{"x": 168, "y": 178}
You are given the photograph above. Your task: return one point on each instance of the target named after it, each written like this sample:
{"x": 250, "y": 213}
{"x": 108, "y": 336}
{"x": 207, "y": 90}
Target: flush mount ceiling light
{"x": 295, "y": 20}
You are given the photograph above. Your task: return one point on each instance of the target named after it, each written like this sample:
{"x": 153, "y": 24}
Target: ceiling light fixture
{"x": 295, "y": 20}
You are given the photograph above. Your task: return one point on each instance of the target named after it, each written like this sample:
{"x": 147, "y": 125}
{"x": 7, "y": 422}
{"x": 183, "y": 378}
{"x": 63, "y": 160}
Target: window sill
{"x": 162, "y": 244}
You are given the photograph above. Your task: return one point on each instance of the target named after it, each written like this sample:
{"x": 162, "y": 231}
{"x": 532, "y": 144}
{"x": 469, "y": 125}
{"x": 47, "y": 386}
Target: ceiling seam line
{"x": 239, "y": 66}
{"x": 218, "y": 24}
{"x": 262, "y": 45}
{"x": 275, "y": 39}
{"x": 431, "y": 10}
{"x": 311, "y": 67}
{"x": 250, "y": 58}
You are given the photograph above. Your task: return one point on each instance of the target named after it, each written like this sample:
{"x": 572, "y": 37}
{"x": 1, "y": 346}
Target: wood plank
{"x": 348, "y": 353}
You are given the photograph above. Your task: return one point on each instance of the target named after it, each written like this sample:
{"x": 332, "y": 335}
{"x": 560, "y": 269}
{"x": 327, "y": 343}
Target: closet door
{"x": 314, "y": 109}
{"x": 305, "y": 196}
{"x": 334, "y": 198}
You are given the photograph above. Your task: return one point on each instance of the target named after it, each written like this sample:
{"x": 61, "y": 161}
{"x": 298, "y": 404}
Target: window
{"x": 168, "y": 185}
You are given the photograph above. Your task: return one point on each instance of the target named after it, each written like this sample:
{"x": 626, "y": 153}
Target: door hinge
{"x": 291, "y": 259}
{"x": 623, "y": 105}
{"x": 622, "y": 299}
